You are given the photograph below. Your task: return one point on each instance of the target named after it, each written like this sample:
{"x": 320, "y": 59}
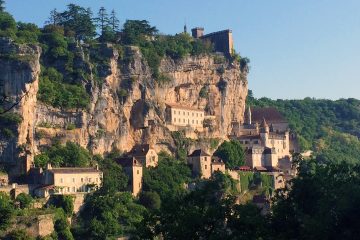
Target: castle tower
{"x": 264, "y": 132}
{"x": 197, "y": 32}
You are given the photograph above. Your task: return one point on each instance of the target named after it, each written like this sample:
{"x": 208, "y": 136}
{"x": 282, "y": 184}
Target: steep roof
{"x": 271, "y": 114}
{"x": 217, "y": 161}
{"x": 199, "y": 153}
{"x": 128, "y": 161}
{"x": 140, "y": 150}
{"x": 69, "y": 170}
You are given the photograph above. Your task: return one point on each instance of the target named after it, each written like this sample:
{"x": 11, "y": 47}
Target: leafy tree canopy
{"x": 68, "y": 155}
{"x": 232, "y": 153}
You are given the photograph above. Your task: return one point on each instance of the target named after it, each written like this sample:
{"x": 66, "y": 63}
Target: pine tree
{"x": 114, "y": 21}
{"x": 54, "y": 18}
{"x": 102, "y": 19}
{"x": 2, "y": 5}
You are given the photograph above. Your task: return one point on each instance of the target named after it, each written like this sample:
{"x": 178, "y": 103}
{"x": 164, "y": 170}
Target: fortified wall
{"x": 222, "y": 40}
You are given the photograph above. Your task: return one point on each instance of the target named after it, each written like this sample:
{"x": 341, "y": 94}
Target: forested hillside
{"x": 330, "y": 128}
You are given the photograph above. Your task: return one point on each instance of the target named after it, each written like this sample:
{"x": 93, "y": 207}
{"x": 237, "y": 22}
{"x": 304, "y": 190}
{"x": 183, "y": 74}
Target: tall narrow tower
{"x": 248, "y": 116}
{"x": 185, "y": 28}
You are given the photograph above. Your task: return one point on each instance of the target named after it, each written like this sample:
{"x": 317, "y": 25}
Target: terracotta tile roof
{"x": 199, "y": 153}
{"x": 271, "y": 115}
{"x": 74, "y": 170}
{"x": 178, "y": 106}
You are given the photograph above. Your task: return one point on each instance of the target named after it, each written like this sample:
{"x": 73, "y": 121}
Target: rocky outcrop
{"x": 19, "y": 79}
{"x": 128, "y": 107}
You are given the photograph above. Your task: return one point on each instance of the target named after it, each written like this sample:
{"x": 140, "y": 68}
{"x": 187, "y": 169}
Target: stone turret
{"x": 248, "y": 116}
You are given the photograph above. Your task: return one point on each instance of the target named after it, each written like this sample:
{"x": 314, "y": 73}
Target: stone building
{"x": 134, "y": 170}
{"x": 266, "y": 138}
{"x": 221, "y": 40}
{"x": 178, "y": 117}
{"x": 200, "y": 163}
{"x": 145, "y": 154}
{"x": 204, "y": 165}
{"x": 69, "y": 180}
{"x": 217, "y": 164}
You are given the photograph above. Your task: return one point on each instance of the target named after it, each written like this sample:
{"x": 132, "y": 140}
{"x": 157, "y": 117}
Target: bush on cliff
{"x": 53, "y": 91}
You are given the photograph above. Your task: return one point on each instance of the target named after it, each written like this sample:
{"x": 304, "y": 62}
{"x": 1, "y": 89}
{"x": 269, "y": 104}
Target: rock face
{"x": 19, "y": 79}
{"x": 115, "y": 120}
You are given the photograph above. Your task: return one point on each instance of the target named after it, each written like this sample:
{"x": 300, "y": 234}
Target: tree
{"x": 110, "y": 215}
{"x": 137, "y": 31}
{"x": 115, "y": 179}
{"x": 321, "y": 203}
{"x": 168, "y": 178}
{"x": 6, "y": 210}
{"x": 232, "y": 153}
{"x": 102, "y": 20}
{"x": 150, "y": 200}
{"x": 78, "y": 20}
{"x": 24, "y": 199}
{"x": 114, "y": 21}
{"x": 65, "y": 202}
{"x": 2, "y": 5}
{"x": 54, "y": 18}
{"x": 70, "y": 155}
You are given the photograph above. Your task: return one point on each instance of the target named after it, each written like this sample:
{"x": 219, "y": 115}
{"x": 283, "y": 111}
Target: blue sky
{"x": 297, "y": 48}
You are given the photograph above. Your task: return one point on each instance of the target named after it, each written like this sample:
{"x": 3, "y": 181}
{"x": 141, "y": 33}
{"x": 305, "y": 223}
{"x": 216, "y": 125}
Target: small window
{"x": 193, "y": 121}
{"x": 137, "y": 172}
{"x": 192, "y": 114}
{"x": 74, "y": 190}
{"x": 183, "y": 120}
{"x": 188, "y": 113}
{"x": 197, "y": 122}
{"x": 184, "y": 113}
{"x": 205, "y": 166}
{"x": 73, "y": 179}
{"x": 179, "y": 112}
{"x": 174, "y": 119}
{"x": 68, "y": 189}
{"x": 82, "y": 180}
{"x": 61, "y": 180}
{"x": 89, "y": 179}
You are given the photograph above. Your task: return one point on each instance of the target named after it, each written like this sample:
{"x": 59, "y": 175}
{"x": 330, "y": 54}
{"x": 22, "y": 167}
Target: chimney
{"x": 48, "y": 166}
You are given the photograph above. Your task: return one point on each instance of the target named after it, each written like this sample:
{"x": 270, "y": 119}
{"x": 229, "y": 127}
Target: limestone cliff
{"x": 119, "y": 121}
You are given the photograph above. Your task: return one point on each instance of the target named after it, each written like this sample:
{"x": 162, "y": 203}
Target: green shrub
{"x": 70, "y": 126}
{"x": 65, "y": 202}
{"x": 24, "y": 199}
{"x": 204, "y": 92}
{"x": 58, "y": 94}
{"x": 163, "y": 79}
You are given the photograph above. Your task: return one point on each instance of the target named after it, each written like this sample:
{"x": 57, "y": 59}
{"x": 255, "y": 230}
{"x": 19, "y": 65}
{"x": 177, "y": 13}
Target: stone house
{"x": 69, "y": 180}
{"x": 204, "y": 165}
{"x": 217, "y": 164}
{"x": 134, "y": 170}
{"x": 179, "y": 117}
{"x": 144, "y": 154}
{"x": 200, "y": 163}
